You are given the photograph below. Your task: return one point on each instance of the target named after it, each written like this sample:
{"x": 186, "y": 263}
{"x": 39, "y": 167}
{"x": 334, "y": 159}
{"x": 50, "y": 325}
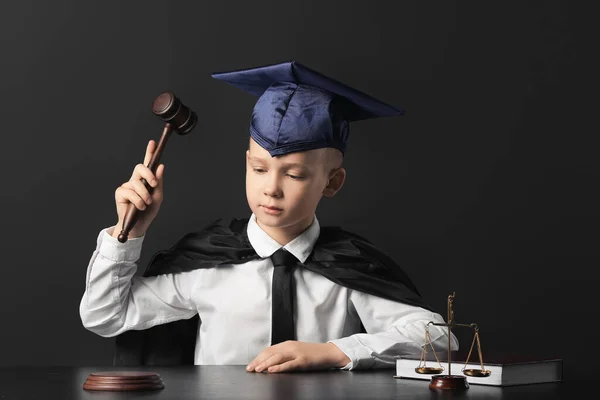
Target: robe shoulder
{"x": 222, "y": 241}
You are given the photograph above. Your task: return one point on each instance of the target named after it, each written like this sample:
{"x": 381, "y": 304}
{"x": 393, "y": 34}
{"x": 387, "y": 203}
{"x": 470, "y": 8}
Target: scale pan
{"x": 428, "y": 370}
{"x": 477, "y": 372}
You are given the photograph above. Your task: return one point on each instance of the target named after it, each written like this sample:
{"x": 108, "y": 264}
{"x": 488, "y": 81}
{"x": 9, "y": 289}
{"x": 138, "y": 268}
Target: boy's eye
{"x": 259, "y": 170}
{"x": 296, "y": 177}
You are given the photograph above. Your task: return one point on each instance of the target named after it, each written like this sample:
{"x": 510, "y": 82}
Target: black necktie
{"x": 282, "y": 297}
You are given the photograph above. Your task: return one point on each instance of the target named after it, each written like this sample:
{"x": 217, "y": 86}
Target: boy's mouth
{"x": 271, "y": 209}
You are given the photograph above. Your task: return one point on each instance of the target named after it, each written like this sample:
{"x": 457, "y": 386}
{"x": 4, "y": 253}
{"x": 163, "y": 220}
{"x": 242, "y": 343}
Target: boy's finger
{"x": 286, "y": 366}
{"x": 266, "y": 353}
{"x": 160, "y": 172}
{"x": 141, "y": 191}
{"x": 265, "y": 363}
{"x": 275, "y": 359}
{"x": 149, "y": 151}
{"x": 141, "y": 171}
{"x": 130, "y": 196}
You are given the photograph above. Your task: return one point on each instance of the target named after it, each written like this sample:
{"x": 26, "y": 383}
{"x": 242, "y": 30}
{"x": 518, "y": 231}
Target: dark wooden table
{"x": 233, "y": 382}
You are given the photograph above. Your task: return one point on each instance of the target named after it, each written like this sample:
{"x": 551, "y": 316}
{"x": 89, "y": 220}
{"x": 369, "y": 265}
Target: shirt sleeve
{"x": 393, "y": 330}
{"x": 115, "y": 300}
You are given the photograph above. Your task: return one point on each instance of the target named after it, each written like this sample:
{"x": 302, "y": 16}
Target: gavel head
{"x": 170, "y": 109}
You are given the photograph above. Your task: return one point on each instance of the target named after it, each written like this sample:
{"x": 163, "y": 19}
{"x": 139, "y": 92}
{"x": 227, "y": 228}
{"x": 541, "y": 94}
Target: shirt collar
{"x": 301, "y": 246}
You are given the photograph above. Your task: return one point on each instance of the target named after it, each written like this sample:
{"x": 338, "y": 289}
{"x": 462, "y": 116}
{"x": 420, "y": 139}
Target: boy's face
{"x": 284, "y": 191}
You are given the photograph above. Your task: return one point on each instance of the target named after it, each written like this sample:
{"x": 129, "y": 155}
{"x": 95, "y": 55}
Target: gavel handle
{"x": 132, "y": 212}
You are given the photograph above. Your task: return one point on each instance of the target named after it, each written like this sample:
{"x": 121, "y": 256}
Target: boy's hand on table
{"x": 298, "y": 356}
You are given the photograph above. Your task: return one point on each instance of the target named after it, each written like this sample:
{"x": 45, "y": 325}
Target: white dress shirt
{"x": 234, "y": 305}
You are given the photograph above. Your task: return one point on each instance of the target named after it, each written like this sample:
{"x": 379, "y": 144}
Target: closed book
{"x": 505, "y": 370}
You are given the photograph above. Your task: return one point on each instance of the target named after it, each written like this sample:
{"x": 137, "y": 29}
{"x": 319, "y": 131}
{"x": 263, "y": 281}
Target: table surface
{"x": 233, "y": 382}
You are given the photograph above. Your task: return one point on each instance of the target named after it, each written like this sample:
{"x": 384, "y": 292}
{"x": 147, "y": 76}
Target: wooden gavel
{"x": 178, "y": 118}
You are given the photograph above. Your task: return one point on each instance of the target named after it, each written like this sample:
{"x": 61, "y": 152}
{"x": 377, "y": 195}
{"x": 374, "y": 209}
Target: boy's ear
{"x": 337, "y": 177}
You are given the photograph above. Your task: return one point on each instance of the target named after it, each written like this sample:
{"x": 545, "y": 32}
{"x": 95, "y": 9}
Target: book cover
{"x": 505, "y": 370}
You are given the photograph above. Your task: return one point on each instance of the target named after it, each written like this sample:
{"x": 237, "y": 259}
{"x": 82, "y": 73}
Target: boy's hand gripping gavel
{"x": 178, "y": 118}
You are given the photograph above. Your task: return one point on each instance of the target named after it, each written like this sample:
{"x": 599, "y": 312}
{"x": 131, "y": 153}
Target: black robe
{"x": 340, "y": 256}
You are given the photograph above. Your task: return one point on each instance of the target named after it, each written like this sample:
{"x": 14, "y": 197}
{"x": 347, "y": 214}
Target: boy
{"x": 276, "y": 292}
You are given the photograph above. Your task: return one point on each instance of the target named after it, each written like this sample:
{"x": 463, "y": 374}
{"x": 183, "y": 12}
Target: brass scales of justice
{"x": 449, "y": 381}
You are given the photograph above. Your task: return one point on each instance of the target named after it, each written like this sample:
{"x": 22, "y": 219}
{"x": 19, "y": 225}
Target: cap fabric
{"x": 301, "y": 109}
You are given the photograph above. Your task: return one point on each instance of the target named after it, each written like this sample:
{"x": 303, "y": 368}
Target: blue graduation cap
{"x": 301, "y": 109}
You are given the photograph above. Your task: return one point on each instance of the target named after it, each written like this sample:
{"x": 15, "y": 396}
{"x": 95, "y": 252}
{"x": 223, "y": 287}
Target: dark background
{"x": 488, "y": 186}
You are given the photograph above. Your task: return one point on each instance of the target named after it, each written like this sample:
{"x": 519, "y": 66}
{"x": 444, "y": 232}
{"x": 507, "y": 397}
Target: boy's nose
{"x": 272, "y": 188}
{"x": 272, "y": 191}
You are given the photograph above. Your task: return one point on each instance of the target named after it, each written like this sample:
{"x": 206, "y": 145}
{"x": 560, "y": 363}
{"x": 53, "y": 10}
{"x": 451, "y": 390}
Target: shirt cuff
{"x": 359, "y": 355}
{"x": 110, "y": 248}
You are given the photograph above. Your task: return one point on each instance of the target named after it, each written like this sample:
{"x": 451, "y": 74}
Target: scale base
{"x": 449, "y": 382}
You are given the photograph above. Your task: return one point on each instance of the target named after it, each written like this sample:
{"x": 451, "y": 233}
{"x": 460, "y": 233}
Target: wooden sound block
{"x": 123, "y": 381}
{"x": 449, "y": 382}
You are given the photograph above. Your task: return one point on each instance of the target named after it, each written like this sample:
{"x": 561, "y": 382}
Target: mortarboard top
{"x": 301, "y": 109}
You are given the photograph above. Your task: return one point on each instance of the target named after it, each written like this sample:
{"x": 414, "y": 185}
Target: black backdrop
{"x": 488, "y": 186}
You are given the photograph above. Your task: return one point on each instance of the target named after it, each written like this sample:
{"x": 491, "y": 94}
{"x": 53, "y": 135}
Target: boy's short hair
{"x": 332, "y": 158}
